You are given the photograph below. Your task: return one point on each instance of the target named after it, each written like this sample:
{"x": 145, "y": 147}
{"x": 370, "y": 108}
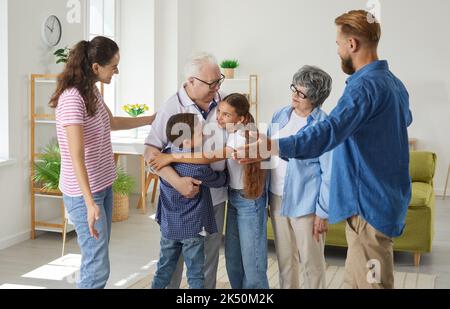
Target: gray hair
{"x": 317, "y": 83}
{"x": 196, "y": 62}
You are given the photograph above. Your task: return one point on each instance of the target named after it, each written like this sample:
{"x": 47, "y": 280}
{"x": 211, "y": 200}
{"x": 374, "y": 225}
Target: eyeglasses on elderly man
{"x": 212, "y": 84}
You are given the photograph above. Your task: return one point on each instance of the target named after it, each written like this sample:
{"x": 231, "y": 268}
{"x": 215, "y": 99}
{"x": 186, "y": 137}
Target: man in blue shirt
{"x": 370, "y": 185}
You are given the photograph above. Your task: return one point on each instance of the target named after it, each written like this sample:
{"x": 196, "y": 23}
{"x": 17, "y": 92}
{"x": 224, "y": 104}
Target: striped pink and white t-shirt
{"x": 99, "y": 157}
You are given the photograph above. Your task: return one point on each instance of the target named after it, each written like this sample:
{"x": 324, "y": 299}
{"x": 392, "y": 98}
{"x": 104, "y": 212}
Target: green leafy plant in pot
{"x": 228, "y": 66}
{"x": 48, "y": 167}
{"x": 122, "y": 188}
{"x": 62, "y": 55}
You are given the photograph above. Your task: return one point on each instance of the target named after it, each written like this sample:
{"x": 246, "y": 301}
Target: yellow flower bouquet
{"x": 135, "y": 110}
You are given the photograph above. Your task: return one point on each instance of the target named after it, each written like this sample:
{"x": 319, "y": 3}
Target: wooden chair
{"x": 149, "y": 178}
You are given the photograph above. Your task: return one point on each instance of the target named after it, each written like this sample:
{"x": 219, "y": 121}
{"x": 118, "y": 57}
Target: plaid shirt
{"x": 183, "y": 218}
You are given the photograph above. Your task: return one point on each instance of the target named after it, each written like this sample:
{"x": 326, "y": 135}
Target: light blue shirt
{"x": 307, "y": 182}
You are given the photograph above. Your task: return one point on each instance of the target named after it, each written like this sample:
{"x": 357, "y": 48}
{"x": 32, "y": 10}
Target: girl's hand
{"x": 160, "y": 161}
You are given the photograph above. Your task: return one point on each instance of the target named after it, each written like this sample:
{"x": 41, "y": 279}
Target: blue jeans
{"x": 246, "y": 242}
{"x": 193, "y": 250}
{"x": 94, "y": 271}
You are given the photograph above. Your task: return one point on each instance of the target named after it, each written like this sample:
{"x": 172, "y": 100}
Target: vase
{"x": 229, "y": 73}
{"x": 121, "y": 207}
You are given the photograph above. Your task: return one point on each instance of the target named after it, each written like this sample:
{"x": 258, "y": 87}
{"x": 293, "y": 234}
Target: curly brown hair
{"x": 254, "y": 176}
{"x": 78, "y": 71}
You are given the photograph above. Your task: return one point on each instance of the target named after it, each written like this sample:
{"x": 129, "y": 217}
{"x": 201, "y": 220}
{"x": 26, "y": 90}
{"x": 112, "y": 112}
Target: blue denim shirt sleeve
{"x": 211, "y": 178}
{"x": 352, "y": 110}
{"x": 322, "y": 205}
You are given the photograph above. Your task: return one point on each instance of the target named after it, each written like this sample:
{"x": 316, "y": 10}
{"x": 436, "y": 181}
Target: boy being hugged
{"x": 185, "y": 222}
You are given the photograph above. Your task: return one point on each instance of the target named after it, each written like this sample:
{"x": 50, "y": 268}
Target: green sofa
{"x": 418, "y": 234}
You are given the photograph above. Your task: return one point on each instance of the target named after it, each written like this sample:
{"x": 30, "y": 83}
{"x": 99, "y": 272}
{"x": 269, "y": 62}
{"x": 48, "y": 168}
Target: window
{"x": 103, "y": 20}
{"x": 4, "y": 121}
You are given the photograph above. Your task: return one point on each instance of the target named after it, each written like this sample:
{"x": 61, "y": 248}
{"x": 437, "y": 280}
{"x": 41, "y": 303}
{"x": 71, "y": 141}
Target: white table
{"x": 135, "y": 146}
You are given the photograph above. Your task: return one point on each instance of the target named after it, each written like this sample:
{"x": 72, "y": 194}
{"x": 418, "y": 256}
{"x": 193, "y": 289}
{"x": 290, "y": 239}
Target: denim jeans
{"x": 246, "y": 242}
{"x": 194, "y": 257}
{"x": 213, "y": 243}
{"x": 94, "y": 271}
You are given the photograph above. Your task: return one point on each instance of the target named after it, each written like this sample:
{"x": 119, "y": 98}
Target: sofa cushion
{"x": 422, "y": 166}
{"x": 421, "y": 194}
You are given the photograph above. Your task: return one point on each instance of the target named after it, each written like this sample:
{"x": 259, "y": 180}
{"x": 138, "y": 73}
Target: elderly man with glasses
{"x": 299, "y": 189}
{"x": 200, "y": 95}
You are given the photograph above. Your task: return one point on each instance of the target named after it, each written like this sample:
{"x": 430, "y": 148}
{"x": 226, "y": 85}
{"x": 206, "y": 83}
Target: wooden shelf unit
{"x": 53, "y": 225}
{"x": 58, "y": 224}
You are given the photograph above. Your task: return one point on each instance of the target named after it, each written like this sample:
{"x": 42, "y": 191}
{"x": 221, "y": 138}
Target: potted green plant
{"x": 62, "y": 55}
{"x": 47, "y": 168}
{"x": 122, "y": 188}
{"x": 228, "y": 66}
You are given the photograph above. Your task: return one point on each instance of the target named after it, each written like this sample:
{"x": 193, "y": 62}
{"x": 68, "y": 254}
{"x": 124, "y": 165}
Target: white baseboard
{"x": 13, "y": 240}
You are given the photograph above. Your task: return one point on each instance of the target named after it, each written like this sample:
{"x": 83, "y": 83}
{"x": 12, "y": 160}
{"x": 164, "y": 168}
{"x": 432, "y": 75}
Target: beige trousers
{"x": 294, "y": 242}
{"x": 370, "y": 262}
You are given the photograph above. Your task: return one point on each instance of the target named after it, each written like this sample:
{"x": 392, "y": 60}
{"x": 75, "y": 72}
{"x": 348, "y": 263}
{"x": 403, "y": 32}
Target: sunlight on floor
{"x": 131, "y": 279}
{"x": 65, "y": 267}
{"x": 8, "y": 286}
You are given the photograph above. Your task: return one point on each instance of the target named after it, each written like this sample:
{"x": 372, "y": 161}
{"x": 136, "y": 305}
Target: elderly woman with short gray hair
{"x": 299, "y": 189}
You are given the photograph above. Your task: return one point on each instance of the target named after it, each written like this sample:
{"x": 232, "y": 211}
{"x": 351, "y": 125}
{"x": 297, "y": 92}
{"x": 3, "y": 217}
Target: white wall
{"x": 4, "y": 121}
{"x": 274, "y": 38}
{"x": 27, "y": 54}
{"x": 136, "y": 80}
{"x": 166, "y": 49}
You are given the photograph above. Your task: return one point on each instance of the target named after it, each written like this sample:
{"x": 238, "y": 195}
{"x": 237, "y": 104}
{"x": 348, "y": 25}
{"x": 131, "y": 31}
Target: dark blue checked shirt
{"x": 182, "y": 218}
{"x": 370, "y": 166}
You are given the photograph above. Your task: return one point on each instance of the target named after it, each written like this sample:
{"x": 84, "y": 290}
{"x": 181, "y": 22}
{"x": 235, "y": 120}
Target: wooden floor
{"x": 134, "y": 251}
{"x": 334, "y": 278}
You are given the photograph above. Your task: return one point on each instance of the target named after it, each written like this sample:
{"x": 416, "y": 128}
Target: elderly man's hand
{"x": 257, "y": 151}
{"x": 188, "y": 187}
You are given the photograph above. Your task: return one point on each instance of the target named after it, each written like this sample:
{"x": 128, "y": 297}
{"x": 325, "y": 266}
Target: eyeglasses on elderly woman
{"x": 298, "y": 92}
